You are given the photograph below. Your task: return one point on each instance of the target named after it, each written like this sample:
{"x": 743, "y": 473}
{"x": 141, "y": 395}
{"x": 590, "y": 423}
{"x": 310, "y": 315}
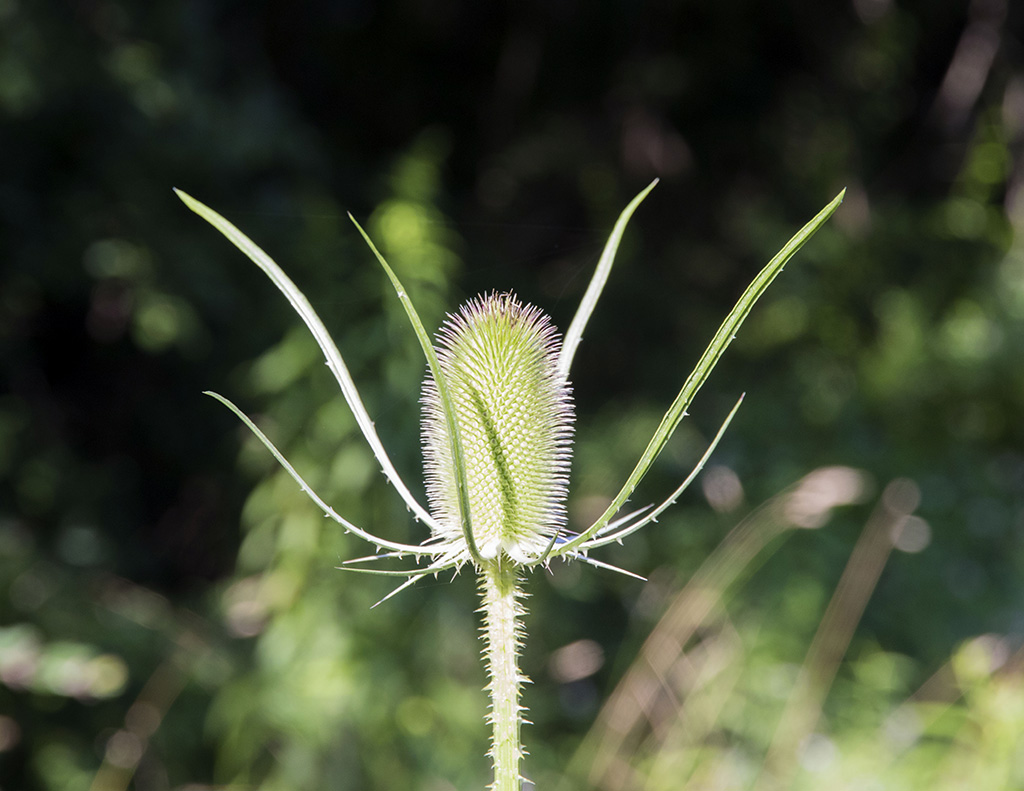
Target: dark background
{"x": 171, "y": 614}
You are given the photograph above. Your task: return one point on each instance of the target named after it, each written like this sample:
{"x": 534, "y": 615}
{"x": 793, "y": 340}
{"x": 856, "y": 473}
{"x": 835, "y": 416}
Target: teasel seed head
{"x": 514, "y": 415}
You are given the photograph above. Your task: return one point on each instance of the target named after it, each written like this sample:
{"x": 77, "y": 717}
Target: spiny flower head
{"x": 514, "y": 415}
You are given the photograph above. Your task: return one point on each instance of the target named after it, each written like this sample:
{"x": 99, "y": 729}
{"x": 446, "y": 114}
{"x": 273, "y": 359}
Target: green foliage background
{"x": 171, "y": 616}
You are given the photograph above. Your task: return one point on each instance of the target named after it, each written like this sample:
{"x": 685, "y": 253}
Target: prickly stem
{"x": 503, "y": 635}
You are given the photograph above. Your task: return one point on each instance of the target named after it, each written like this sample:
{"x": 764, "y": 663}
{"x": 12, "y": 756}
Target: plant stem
{"x": 502, "y": 631}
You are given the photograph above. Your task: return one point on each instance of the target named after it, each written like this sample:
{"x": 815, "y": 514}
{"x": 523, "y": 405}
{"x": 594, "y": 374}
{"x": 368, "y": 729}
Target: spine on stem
{"x": 503, "y": 633}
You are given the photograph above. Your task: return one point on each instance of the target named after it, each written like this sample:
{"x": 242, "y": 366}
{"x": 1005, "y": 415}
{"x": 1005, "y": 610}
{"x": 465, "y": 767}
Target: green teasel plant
{"x": 497, "y": 431}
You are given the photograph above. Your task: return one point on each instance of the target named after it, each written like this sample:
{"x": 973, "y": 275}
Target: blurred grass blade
{"x": 604, "y": 266}
{"x": 725, "y": 335}
{"x": 455, "y": 445}
{"x": 835, "y": 631}
{"x": 323, "y": 339}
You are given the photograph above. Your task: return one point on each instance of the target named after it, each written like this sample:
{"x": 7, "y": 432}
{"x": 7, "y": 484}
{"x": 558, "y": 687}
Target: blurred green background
{"x": 171, "y": 616}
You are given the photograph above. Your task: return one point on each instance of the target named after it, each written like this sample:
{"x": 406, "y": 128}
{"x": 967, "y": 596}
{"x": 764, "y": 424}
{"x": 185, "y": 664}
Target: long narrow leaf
{"x": 447, "y": 406}
{"x": 308, "y": 490}
{"x": 417, "y": 572}
{"x": 415, "y": 575}
{"x": 407, "y": 584}
{"x": 323, "y": 339}
{"x": 599, "y": 564}
{"x": 608, "y": 537}
{"x": 574, "y": 334}
{"x": 725, "y": 335}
